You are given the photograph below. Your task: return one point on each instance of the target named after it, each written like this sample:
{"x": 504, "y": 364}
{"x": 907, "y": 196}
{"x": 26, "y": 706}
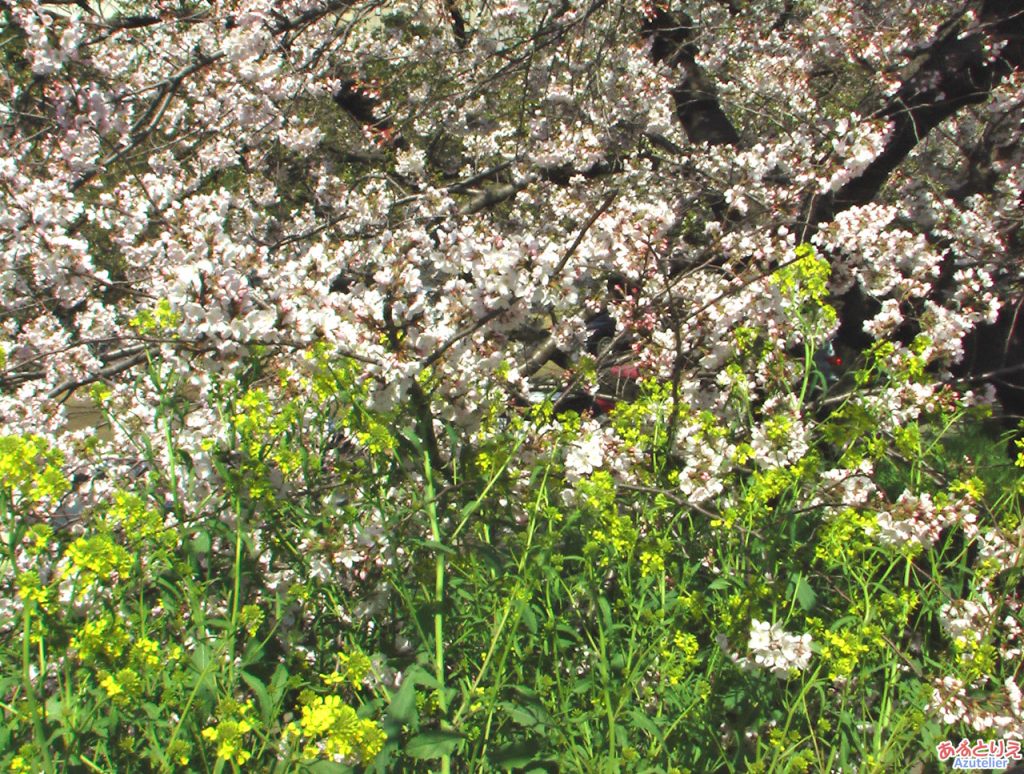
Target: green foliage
{"x": 596, "y": 624}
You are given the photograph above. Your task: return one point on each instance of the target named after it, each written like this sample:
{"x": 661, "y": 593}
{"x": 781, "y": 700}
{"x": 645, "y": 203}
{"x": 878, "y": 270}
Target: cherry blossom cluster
{"x": 776, "y": 650}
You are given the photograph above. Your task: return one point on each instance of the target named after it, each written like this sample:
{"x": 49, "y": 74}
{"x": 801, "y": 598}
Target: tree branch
{"x": 957, "y": 70}
{"x": 697, "y": 107}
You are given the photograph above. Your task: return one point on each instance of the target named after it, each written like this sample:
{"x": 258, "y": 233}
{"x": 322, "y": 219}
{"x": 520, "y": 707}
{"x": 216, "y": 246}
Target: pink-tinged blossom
{"x": 1002, "y": 711}
{"x": 776, "y": 650}
{"x": 914, "y": 520}
{"x": 886, "y": 321}
{"x": 587, "y": 454}
{"x": 857, "y": 143}
{"x": 842, "y": 488}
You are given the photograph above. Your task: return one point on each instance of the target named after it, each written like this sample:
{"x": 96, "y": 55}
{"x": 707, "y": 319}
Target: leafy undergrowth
{"x": 321, "y": 587}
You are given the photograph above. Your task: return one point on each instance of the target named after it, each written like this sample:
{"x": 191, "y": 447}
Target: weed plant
{"x": 323, "y": 587}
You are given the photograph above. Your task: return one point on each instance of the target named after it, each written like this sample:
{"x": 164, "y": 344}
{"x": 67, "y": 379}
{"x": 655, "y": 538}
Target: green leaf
{"x": 328, "y": 767}
{"x": 719, "y": 583}
{"x": 402, "y": 708}
{"x": 152, "y": 710}
{"x": 528, "y": 617}
{"x": 205, "y": 670}
{"x": 733, "y": 698}
{"x": 804, "y": 593}
{"x": 643, "y": 721}
{"x": 201, "y": 658}
{"x": 583, "y": 685}
{"x": 606, "y": 613}
{"x": 278, "y": 684}
{"x": 432, "y": 744}
{"x": 417, "y": 675}
{"x": 524, "y": 716}
{"x": 515, "y": 755}
{"x": 55, "y": 709}
{"x": 262, "y": 697}
{"x": 201, "y": 542}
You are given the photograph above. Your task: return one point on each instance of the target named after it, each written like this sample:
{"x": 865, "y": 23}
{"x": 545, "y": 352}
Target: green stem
{"x": 808, "y": 365}
{"x": 439, "y": 567}
{"x": 30, "y": 689}
{"x": 92, "y": 766}
{"x": 606, "y": 693}
{"x": 172, "y": 463}
{"x": 237, "y": 590}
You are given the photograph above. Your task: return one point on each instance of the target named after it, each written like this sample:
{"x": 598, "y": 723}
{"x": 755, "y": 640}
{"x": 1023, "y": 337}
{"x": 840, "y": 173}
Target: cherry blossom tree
{"x": 420, "y": 186}
{"x": 204, "y": 196}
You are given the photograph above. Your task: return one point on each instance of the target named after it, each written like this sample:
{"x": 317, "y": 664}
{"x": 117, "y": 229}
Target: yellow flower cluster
{"x": 146, "y": 652}
{"x": 614, "y": 534}
{"x": 330, "y": 728}
{"x": 123, "y": 687}
{"x": 102, "y": 637}
{"x": 160, "y": 318}
{"x": 975, "y": 659}
{"x": 31, "y": 589}
{"x": 352, "y": 668}
{"x": 679, "y": 656}
{"x": 139, "y": 523}
{"x": 842, "y": 651}
{"x": 228, "y": 735}
{"x": 22, "y": 762}
{"x": 30, "y": 469}
{"x": 805, "y": 278}
{"x": 845, "y": 536}
{"x": 40, "y": 536}
{"x": 651, "y": 563}
{"x": 250, "y": 617}
{"x": 98, "y": 558}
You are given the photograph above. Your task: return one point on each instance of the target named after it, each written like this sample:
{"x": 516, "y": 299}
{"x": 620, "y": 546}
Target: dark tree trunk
{"x": 956, "y": 70}
{"x": 697, "y": 107}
